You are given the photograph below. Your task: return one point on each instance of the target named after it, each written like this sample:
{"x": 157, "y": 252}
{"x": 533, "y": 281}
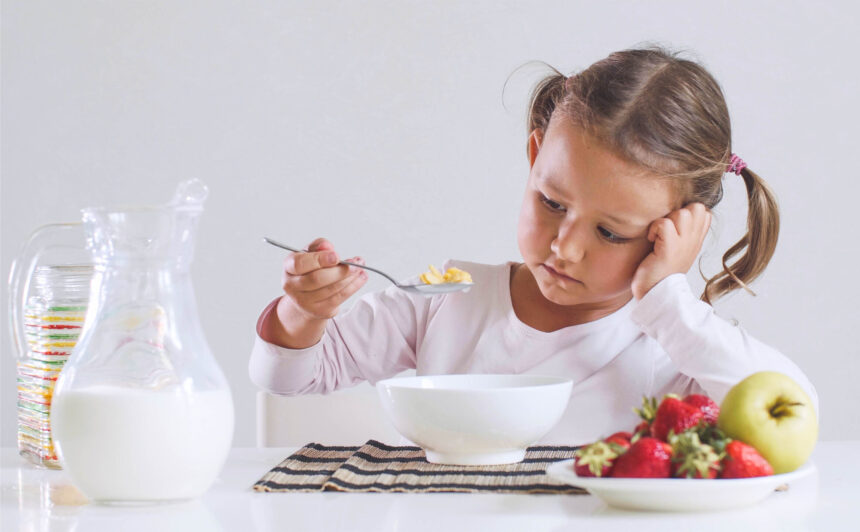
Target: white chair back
{"x": 346, "y": 417}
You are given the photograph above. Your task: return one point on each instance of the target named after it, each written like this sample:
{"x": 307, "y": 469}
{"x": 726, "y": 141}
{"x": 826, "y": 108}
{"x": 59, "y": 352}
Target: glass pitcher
{"x": 141, "y": 411}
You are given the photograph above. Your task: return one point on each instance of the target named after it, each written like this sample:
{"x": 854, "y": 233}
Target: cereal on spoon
{"x": 451, "y": 275}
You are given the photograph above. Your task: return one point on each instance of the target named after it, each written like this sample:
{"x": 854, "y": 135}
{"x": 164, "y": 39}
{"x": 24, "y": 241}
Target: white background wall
{"x": 383, "y": 128}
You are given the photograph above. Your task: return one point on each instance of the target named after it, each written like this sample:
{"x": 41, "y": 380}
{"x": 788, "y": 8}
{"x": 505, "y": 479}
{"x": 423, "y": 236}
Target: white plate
{"x": 677, "y": 494}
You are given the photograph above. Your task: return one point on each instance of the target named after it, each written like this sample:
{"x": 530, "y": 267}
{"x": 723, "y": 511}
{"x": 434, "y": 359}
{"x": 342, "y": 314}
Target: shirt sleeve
{"x": 713, "y": 352}
{"x": 373, "y": 340}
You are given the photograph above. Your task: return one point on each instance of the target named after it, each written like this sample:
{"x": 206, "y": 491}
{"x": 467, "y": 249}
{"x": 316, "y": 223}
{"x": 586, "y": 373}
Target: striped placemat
{"x": 377, "y": 467}
{"x": 308, "y": 469}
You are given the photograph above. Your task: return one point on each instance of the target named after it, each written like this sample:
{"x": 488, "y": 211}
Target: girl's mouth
{"x": 558, "y": 275}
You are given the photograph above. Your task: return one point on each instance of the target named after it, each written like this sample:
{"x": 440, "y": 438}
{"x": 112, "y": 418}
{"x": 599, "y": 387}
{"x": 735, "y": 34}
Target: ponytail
{"x": 757, "y": 245}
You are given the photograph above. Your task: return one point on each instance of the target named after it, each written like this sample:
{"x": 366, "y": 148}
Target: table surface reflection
{"x": 39, "y": 499}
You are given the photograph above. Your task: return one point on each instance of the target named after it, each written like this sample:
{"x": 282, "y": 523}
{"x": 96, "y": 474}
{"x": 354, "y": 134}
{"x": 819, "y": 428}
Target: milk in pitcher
{"x": 126, "y": 444}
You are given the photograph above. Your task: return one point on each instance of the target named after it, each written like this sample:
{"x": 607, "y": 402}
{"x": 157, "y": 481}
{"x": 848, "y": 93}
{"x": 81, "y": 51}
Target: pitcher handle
{"x": 45, "y": 238}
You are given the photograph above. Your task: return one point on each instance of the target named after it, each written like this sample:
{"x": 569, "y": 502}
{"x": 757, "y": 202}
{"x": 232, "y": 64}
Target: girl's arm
{"x": 715, "y": 353}
{"x": 373, "y": 340}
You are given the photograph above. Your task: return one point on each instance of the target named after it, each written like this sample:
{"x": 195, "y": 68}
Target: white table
{"x": 828, "y": 500}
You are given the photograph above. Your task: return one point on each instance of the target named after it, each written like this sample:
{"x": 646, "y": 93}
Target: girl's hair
{"x": 669, "y": 116}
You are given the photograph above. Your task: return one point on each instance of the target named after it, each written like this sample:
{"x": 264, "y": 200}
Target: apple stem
{"x": 780, "y": 409}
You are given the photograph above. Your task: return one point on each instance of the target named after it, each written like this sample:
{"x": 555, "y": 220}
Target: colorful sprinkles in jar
{"x": 53, "y": 319}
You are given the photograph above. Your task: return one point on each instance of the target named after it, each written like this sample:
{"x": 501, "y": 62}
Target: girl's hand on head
{"x": 315, "y": 284}
{"x": 677, "y": 241}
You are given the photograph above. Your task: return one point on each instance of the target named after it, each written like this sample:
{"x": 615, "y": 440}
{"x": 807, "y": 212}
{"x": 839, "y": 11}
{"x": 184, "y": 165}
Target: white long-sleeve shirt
{"x": 669, "y": 341}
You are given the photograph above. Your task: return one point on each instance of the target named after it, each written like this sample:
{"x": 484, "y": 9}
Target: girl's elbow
{"x": 260, "y": 377}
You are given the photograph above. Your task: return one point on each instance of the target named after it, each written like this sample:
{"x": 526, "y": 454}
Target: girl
{"x": 627, "y": 160}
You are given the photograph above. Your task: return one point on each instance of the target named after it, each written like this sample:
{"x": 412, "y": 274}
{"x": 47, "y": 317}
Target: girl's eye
{"x": 609, "y": 236}
{"x": 552, "y": 205}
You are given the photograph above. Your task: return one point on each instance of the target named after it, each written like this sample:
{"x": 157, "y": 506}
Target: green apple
{"x": 771, "y": 412}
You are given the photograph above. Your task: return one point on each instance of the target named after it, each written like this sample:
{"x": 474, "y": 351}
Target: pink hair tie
{"x": 736, "y": 164}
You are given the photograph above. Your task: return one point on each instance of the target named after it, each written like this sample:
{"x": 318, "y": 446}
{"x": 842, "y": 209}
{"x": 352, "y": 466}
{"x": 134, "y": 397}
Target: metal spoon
{"x": 425, "y": 289}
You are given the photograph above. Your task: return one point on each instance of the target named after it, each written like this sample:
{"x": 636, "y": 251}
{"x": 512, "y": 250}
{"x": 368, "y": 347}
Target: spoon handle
{"x": 283, "y": 246}
{"x": 344, "y": 262}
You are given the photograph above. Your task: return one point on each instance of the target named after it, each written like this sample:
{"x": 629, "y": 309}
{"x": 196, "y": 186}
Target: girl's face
{"x": 584, "y": 221}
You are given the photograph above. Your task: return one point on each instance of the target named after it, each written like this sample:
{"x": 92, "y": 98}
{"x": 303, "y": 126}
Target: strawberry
{"x": 709, "y": 408}
{"x": 642, "y": 429}
{"x": 691, "y": 458}
{"x": 595, "y": 459}
{"x": 743, "y": 461}
{"x": 674, "y": 415}
{"x": 646, "y": 458}
{"x": 713, "y": 436}
{"x": 622, "y": 439}
{"x": 647, "y": 412}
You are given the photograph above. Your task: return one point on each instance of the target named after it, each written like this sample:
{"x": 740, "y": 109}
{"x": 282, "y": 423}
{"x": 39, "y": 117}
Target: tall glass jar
{"x": 53, "y": 317}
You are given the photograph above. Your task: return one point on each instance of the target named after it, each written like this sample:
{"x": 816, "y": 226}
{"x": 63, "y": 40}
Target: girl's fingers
{"x": 315, "y": 280}
{"x": 664, "y": 229}
{"x": 328, "y": 307}
{"x": 319, "y": 279}
{"x": 699, "y": 215}
{"x": 699, "y": 224}
{"x": 691, "y": 220}
{"x": 304, "y": 263}
{"x": 319, "y": 284}
{"x": 354, "y": 285}
{"x": 320, "y": 254}
{"x": 683, "y": 220}
{"x": 327, "y": 291}
{"x": 324, "y": 277}
{"x": 705, "y": 225}
{"x": 320, "y": 244}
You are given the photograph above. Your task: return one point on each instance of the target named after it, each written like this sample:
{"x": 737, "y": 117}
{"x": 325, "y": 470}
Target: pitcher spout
{"x": 160, "y": 233}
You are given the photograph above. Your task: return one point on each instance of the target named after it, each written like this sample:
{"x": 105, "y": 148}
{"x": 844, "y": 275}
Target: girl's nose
{"x": 569, "y": 244}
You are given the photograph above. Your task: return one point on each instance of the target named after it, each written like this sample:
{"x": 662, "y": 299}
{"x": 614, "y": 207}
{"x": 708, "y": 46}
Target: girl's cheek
{"x": 643, "y": 249}
{"x": 523, "y": 231}
{"x": 529, "y": 223}
{"x": 636, "y": 256}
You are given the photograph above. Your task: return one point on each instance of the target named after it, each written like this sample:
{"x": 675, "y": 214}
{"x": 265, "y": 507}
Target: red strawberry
{"x": 691, "y": 458}
{"x": 648, "y": 410}
{"x": 647, "y": 458}
{"x": 674, "y": 415}
{"x": 622, "y": 439}
{"x": 713, "y": 436}
{"x": 647, "y": 413}
{"x": 743, "y": 461}
{"x": 642, "y": 429}
{"x": 620, "y": 434}
{"x": 709, "y": 408}
{"x": 595, "y": 459}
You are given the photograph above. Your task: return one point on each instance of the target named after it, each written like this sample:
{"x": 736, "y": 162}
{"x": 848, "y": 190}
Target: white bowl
{"x": 474, "y": 419}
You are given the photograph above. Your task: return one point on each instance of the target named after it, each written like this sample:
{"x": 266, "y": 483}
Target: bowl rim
{"x": 413, "y": 382}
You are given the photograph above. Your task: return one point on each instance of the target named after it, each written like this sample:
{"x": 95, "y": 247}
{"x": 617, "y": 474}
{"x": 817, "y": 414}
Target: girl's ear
{"x": 535, "y": 140}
